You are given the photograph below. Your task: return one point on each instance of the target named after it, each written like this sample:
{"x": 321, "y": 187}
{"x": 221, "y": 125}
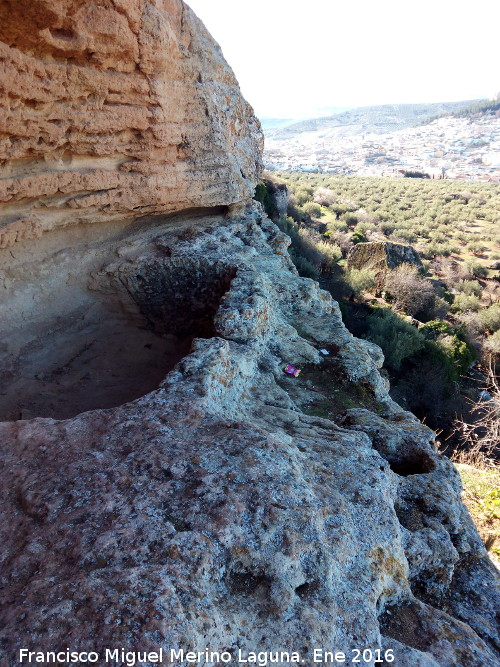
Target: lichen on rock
{"x": 220, "y": 503}
{"x": 380, "y": 257}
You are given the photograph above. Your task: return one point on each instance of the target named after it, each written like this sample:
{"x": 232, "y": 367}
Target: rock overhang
{"x": 220, "y": 506}
{"x": 116, "y": 112}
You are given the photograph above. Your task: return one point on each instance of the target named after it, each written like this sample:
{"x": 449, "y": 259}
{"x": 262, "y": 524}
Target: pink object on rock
{"x": 291, "y": 370}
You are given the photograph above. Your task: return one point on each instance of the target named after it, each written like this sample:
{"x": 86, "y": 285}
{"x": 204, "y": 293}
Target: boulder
{"x": 381, "y": 256}
{"x": 279, "y": 196}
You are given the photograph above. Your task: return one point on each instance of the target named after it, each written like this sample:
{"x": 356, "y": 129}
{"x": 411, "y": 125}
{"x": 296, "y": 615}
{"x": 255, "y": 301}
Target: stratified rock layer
{"x": 113, "y": 109}
{"x": 237, "y": 507}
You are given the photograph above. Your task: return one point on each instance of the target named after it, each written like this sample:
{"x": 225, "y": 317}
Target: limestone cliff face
{"x": 113, "y": 108}
{"x": 164, "y": 483}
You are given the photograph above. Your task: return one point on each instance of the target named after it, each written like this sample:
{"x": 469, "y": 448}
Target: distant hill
{"x": 364, "y": 120}
{"x": 475, "y": 110}
{"x": 271, "y": 123}
{"x": 453, "y": 140}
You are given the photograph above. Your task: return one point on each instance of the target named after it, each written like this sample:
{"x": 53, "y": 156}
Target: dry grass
{"x": 481, "y": 495}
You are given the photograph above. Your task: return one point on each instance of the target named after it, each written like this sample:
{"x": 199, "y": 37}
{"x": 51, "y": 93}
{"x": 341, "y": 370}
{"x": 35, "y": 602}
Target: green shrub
{"x": 476, "y": 269}
{"x": 305, "y": 268}
{"x": 288, "y": 225}
{"x": 299, "y": 248}
{"x": 445, "y": 249}
{"x": 312, "y": 210}
{"x": 469, "y": 287}
{"x": 350, "y": 219}
{"x": 361, "y": 280}
{"x": 339, "y": 209}
{"x": 262, "y": 195}
{"x": 303, "y": 195}
{"x": 310, "y": 253}
{"x": 387, "y": 228}
{"x": 344, "y": 309}
{"x": 429, "y": 251}
{"x": 438, "y": 309}
{"x": 358, "y": 237}
{"x": 492, "y": 344}
{"x": 434, "y": 249}
{"x": 331, "y": 254}
{"x": 458, "y": 352}
{"x": 448, "y": 297}
{"x": 398, "y": 339}
{"x": 404, "y": 235}
{"x": 429, "y": 384}
{"x": 337, "y": 226}
{"x": 435, "y": 328}
{"x": 463, "y": 303}
{"x": 489, "y": 318}
{"x": 476, "y": 247}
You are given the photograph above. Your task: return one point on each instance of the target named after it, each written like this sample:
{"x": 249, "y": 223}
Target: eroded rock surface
{"x": 164, "y": 483}
{"x": 113, "y": 109}
{"x": 237, "y": 507}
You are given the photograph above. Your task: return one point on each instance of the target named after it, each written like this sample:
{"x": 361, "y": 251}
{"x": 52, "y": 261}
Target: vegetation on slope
{"x": 441, "y": 218}
{"x": 475, "y": 110}
{"x": 482, "y": 497}
{"x": 438, "y": 325}
{"x": 432, "y": 324}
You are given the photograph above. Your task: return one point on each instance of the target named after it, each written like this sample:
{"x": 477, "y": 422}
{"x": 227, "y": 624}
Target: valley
{"x": 391, "y": 141}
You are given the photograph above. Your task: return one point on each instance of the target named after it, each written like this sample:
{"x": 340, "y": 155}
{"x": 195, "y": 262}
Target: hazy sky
{"x": 293, "y": 57}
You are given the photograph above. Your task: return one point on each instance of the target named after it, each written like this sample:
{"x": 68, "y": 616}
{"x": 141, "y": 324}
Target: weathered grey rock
{"x": 381, "y": 256}
{"x": 164, "y": 483}
{"x": 237, "y": 507}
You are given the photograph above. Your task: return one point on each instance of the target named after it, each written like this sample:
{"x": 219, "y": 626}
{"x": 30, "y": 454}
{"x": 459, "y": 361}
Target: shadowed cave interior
{"x": 115, "y": 347}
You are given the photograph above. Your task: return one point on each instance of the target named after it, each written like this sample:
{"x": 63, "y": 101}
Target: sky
{"x": 295, "y": 58}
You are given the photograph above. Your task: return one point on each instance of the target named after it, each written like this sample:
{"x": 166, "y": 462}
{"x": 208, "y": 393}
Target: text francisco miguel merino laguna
{"x": 180, "y": 656}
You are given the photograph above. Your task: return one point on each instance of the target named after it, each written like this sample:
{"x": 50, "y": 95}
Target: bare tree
{"x": 446, "y": 269}
{"x": 480, "y": 440}
{"x": 324, "y": 197}
{"x": 408, "y": 291}
{"x": 492, "y": 291}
